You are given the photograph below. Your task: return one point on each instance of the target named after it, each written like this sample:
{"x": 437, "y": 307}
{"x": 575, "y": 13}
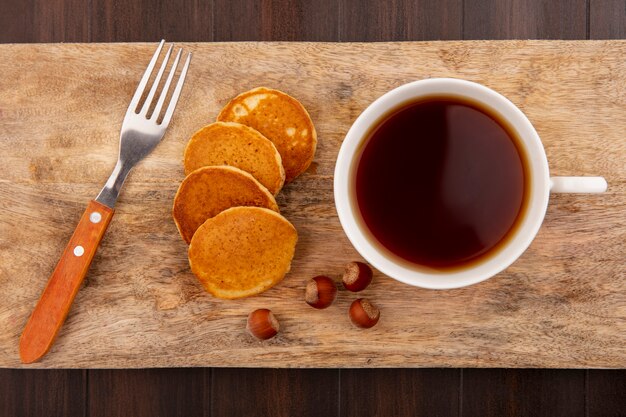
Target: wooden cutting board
{"x": 563, "y": 304}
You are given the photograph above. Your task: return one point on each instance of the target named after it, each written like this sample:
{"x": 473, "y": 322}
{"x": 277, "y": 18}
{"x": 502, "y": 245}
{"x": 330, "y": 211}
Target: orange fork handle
{"x": 56, "y": 300}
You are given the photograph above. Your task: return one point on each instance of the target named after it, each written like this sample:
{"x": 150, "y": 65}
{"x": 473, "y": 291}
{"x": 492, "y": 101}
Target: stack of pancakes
{"x": 239, "y": 244}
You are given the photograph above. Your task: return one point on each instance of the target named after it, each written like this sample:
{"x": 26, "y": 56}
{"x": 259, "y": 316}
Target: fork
{"x": 141, "y": 131}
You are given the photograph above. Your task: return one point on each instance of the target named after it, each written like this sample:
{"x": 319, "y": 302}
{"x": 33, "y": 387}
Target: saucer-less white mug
{"x": 541, "y": 185}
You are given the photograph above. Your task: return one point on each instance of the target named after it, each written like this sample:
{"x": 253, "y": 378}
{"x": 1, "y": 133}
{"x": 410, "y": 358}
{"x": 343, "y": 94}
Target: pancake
{"x": 281, "y": 119}
{"x": 234, "y": 144}
{"x": 208, "y": 191}
{"x": 242, "y": 251}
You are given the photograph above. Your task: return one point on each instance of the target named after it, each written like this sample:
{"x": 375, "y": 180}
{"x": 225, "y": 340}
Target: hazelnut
{"x": 363, "y": 313}
{"x": 320, "y": 292}
{"x": 357, "y": 276}
{"x": 262, "y": 324}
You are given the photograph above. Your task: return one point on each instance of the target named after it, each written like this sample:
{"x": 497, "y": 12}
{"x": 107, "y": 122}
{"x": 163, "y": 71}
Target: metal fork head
{"x": 143, "y": 129}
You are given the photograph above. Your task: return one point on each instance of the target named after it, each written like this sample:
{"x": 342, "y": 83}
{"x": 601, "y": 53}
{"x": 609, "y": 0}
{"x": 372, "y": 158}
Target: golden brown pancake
{"x": 281, "y": 119}
{"x": 234, "y": 144}
{"x": 242, "y": 251}
{"x": 208, "y": 191}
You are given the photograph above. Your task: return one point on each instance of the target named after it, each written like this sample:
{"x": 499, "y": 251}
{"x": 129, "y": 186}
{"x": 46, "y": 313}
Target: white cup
{"x": 541, "y": 185}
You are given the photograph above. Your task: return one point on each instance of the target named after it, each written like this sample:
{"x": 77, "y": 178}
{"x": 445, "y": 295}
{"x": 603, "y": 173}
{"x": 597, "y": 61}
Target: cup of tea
{"x": 443, "y": 183}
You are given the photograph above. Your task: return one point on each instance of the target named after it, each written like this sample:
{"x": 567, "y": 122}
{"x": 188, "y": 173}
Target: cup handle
{"x": 577, "y": 184}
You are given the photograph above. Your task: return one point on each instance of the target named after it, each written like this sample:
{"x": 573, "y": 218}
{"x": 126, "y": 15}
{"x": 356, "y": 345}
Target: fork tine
{"x": 179, "y": 86}
{"x": 144, "y": 80}
{"x": 155, "y": 84}
{"x": 166, "y": 87}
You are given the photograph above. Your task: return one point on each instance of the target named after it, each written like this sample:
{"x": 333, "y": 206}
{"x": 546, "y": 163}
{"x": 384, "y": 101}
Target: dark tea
{"x": 441, "y": 182}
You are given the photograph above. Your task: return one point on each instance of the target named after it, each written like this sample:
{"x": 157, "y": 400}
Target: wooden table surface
{"x": 323, "y": 392}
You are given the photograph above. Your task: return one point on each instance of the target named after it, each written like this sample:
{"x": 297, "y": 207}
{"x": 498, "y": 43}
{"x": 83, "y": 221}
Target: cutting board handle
{"x": 56, "y": 300}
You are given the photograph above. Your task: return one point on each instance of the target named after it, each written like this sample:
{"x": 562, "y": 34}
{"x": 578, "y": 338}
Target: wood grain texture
{"x": 42, "y": 392}
{"x": 373, "y": 20}
{"x": 274, "y": 392}
{"x": 148, "y": 20}
{"x": 63, "y": 285}
{"x": 562, "y": 304}
{"x": 44, "y": 21}
{"x": 523, "y": 392}
{"x": 523, "y": 19}
{"x": 400, "y": 392}
{"x": 282, "y": 20}
{"x": 606, "y": 393}
{"x": 607, "y": 19}
{"x": 16, "y": 21}
{"x": 149, "y": 392}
